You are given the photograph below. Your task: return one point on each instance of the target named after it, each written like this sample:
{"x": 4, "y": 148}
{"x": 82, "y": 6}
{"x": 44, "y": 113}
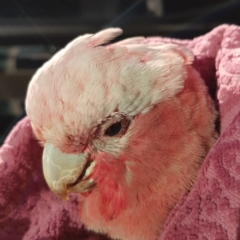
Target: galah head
{"x": 110, "y": 119}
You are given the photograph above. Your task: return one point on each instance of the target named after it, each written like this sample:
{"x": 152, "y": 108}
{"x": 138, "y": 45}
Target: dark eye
{"x": 115, "y": 126}
{"x": 114, "y": 129}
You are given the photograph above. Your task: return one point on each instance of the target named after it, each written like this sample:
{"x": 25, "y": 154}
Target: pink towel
{"x": 211, "y": 210}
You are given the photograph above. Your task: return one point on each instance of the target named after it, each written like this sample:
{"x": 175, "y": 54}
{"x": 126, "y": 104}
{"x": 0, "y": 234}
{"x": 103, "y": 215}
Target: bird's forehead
{"x": 82, "y": 89}
{"x": 78, "y": 88}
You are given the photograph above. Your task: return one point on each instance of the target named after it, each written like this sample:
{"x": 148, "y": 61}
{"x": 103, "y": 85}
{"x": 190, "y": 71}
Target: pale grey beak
{"x": 62, "y": 170}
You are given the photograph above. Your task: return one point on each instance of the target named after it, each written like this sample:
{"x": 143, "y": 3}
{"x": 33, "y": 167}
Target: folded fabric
{"x": 211, "y": 210}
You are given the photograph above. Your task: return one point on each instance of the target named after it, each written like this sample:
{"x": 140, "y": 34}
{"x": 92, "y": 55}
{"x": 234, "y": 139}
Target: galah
{"x": 126, "y": 126}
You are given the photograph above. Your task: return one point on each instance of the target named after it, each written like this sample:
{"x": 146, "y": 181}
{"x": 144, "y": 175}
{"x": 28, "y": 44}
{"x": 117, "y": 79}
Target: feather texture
{"x": 169, "y": 118}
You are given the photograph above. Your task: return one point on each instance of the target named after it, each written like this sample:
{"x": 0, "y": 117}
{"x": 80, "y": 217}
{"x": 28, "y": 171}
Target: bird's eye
{"x": 115, "y": 126}
{"x": 114, "y": 129}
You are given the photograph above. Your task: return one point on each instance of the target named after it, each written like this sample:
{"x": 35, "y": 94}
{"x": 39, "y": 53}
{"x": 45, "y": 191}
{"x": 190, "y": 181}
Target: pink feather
{"x": 141, "y": 175}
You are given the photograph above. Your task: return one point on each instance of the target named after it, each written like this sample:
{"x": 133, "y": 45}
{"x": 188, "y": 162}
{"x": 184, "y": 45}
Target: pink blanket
{"x": 28, "y": 210}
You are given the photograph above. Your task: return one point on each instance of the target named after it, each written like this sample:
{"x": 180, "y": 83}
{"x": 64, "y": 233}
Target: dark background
{"x": 32, "y": 30}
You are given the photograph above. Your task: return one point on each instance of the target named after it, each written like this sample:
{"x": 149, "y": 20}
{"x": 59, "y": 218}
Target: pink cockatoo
{"x": 125, "y": 125}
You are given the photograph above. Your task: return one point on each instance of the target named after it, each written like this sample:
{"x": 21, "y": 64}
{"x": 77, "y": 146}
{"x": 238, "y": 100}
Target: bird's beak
{"x": 62, "y": 171}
